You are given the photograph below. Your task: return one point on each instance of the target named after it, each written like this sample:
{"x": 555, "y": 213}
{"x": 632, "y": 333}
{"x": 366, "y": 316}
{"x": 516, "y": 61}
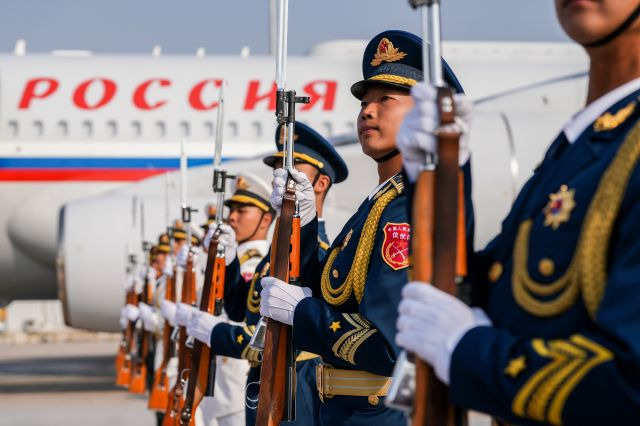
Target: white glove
{"x": 279, "y": 299}
{"x": 182, "y": 256}
{"x": 184, "y": 313}
{"x": 168, "y": 267}
{"x": 131, "y": 312}
{"x": 432, "y": 322}
{"x": 417, "y": 135}
{"x": 150, "y": 319}
{"x": 304, "y": 194}
{"x": 201, "y": 325}
{"x": 168, "y": 311}
{"x": 227, "y": 240}
{"x": 123, "y": 318}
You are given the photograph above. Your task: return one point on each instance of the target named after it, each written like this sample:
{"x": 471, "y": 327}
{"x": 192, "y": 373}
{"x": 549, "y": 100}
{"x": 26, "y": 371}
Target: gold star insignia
{"x": 240, "y": 339}
{"x": 515, "y": 367}
{"x": 335, "y": 326}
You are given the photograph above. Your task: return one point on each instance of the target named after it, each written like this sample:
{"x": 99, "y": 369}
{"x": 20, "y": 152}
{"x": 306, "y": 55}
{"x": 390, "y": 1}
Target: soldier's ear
{"x": 323, "y": 182}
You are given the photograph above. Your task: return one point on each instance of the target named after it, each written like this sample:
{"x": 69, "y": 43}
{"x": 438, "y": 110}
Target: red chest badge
{"x": 395, "y": 247}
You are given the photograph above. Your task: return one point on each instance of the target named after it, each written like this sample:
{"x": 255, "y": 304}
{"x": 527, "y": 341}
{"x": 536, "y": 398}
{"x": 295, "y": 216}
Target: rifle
{"x": 188, "y": 296}
{"x": 139, "y": 377}
{"x": 123, "y": 373}
{"x": 123, "y": 358}
{"x": 159, "y": 397}
{"x": 203, "y": 363}
{"x": 437, "y": 240}
{"x": 276, "y": 400}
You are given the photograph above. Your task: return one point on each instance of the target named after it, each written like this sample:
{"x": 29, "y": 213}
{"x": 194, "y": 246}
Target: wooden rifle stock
{"x": 123, "y": 372}
{"x": 159, "y": 398}
{"x": 176, "y": 400}
{"x": 436, "y": 219}
{"x": 202, "y": 374}
{"x": 276, "y": 400}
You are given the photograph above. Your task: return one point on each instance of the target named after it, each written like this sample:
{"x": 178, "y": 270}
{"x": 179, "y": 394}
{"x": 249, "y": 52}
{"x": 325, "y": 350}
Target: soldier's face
{"x": 586, "y": 21}
{"x": 245, "y": 219}
{"x": 177, "y": 245}
{"x": 382, "y": 110}
{"x": 161, "y": 259}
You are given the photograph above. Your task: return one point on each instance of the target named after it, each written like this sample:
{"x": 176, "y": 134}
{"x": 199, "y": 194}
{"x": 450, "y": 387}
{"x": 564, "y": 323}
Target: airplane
{"x": 84, "y": 139}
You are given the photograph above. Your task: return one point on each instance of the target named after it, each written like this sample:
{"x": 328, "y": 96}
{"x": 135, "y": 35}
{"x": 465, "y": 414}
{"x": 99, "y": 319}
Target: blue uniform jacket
{"x": 561, "y": 284}
{"x": 350, "y": 321}
{"x": 242, "y": 304}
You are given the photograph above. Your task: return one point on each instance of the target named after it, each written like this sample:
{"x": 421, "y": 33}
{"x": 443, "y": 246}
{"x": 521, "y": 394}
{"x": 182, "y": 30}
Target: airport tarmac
{"x": 72, "y": 384}
{"x": 63, "y": 384}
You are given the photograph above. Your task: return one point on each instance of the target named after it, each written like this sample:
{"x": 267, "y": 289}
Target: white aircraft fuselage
{"x": 78, "y": 127}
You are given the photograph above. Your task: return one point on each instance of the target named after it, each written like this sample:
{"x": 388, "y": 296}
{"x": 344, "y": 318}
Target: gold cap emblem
{"x": 558, "y": 209}
{"x": 386, "y": 53}
{"x": 610, "y": 121}
{"x": 241, "y": 183}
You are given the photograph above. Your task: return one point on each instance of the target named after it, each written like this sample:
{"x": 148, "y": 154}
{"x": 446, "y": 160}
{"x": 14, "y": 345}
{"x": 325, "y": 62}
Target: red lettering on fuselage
{"x": 80, "y": 94}
{"x": 195, "y": 96}
{"x": 31, "y": 90}
{"x": 97, "y": 92}
{"x": 140, "y": 94}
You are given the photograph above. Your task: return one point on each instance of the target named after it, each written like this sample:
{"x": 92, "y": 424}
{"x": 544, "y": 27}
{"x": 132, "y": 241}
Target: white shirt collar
{"x": 379, "y": 187}
{"x": 583, "y": 119}
{"x": 261, "y": 245}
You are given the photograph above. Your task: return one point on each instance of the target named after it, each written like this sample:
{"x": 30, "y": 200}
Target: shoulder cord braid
{"x": 249, "y": 254}
{"x": 587, "y": 272}
{"x": 355, "y": 281}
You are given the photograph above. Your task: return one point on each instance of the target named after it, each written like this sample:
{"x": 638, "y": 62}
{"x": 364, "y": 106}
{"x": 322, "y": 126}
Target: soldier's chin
{"x": 373, "y": 146}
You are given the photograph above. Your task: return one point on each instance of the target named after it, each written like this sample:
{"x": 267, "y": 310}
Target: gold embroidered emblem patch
{"x": 335, "y": 326}
{"x": 346, "y": 239}
{"x": 515, "y": 367}
{"x": 240, "y": 339}
{"x": 386, "y": 53}
{"x": 241, "y": 183}
{"x": 558, "y": 209}
{"x": 610, "y": 121}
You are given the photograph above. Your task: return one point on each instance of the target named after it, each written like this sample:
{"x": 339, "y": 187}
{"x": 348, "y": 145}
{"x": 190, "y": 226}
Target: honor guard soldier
{"x": 316, "y": 158}
{"x": 555, "y": 337}
{"x": 244, "y": 236}
{"x": 350, "y": 321}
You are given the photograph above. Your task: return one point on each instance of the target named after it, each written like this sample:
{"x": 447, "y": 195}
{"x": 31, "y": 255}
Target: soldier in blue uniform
{"x": 555, "y": 336}
{"x": 316, "y": 158}
{"x": 350, "y": 320}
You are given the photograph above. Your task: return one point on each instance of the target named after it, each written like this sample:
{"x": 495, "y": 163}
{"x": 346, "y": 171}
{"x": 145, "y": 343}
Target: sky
{"x": 224, "y": 27}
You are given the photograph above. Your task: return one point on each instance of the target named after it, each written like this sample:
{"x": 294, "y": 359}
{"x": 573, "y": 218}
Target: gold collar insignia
{"x": 608, "y": 121}
{"x": 559, "y": 207}
{"x": 386, "y": 53}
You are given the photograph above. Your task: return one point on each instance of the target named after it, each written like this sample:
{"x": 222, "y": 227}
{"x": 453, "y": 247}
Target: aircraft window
{"x": 327, "y": 129}
{"x": 232, "y": 128}
{"x": 136, "y": 127}
{"x": 38, "y": 127}
{"x": 87, "y": 128}
{"x": 161, "y": 128}
{"x": 112, "y": 128}
{"x": 184, "y": 126}
{"x": 351, "y": 127}
{"x": 13, "y": 127}
{"x": 256, "y": 128}
{"x": 208, "y": 128}
{"x": 63, "y": 128}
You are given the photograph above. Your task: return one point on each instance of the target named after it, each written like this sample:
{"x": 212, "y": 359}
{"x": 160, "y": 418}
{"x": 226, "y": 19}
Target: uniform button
{"x": 335, "y": 273}
{"x": 495, "y": 272}
{"x": 373, "y": 399}
{"x": 546, "y": 267}
{"x": 255, "y": 294}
